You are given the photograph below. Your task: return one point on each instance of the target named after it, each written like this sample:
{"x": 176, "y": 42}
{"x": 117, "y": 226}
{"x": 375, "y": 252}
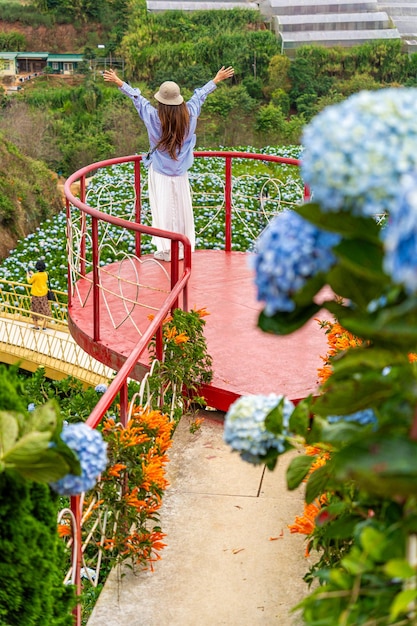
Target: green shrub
{"x": 281, "y": 99}
{"x": 32, "y": 592}
{"x": 12, "y": 41}
{"x": 270, "y": 120}
{"x": 7, "y": 216}
{"x": 16, "y": 12}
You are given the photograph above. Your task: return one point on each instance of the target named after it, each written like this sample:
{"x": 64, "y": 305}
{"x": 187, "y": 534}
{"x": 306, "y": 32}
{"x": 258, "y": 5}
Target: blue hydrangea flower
{"x": 355, "y": 152}
{"x": 100, "y": 388}
{"x": 91, "y": 450}
{"x": 364, "y": 417}
{"x": 244, "y": 426}
{"x": 31, "y": 407}
{"x": 288, "y": 253}
{"x": 400, "y": 237}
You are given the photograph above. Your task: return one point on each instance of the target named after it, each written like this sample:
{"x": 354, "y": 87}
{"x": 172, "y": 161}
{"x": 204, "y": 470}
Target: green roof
{"x": 32, "y": 55}
{"x": 65, "y": 57}
{"x": 8, "y": 55}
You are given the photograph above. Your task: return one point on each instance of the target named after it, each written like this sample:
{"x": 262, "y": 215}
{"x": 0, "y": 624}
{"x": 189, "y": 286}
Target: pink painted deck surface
{"x": 245, "y": 359}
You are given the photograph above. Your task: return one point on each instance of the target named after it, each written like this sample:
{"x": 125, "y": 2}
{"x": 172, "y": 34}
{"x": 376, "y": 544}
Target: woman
{"x": 171, "y": 131}
{"x": 39, "y": 292}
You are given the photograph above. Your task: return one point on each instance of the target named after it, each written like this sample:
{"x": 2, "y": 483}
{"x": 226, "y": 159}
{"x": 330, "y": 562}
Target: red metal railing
{"x": 178, "y": 286}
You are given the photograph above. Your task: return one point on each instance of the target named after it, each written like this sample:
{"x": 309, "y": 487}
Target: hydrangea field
{"x": 260, "y": 190}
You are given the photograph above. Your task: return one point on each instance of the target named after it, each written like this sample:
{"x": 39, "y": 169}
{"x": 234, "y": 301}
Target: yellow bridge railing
{"x": 54, "y": 349}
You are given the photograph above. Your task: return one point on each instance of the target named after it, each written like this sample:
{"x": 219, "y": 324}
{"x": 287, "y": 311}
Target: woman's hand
{"x": 110, "y": 76}
{"x": 223, "y": 73}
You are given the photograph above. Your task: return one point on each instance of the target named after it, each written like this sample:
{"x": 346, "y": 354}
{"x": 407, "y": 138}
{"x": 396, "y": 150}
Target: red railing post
{"x": 159, "y": 344}
{"x": 138, "y": 204}
{"x": 77, "y": 558}
{"x": 228, "y": 203}
{"x": 96, "y": 280}
{"x": 83, "y": 229}
{"x": 124, "y": 404}
{"x": 69, "y": 249}
{"x": 174, "y": 268}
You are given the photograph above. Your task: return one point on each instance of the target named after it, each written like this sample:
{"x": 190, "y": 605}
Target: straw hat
{"x": 169, "y": 93}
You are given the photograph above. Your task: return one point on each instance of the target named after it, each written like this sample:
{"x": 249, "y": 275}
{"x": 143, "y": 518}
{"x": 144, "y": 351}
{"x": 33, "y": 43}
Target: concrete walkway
{"x": 230, "y": 558}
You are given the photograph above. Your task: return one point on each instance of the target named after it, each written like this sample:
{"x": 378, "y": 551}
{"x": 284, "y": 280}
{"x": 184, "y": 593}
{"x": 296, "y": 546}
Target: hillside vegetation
{"x": 28, "y": 195}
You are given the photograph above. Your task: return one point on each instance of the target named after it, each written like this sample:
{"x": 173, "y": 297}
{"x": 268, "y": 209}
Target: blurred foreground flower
{"x": 91, "y": 450}
{"x": 290, "y": 251}
{"x": 355, "y": 152}
{"x": 364, "y": 417}
{"x": 400, "y": 237}
{"x": 245, "y": 430}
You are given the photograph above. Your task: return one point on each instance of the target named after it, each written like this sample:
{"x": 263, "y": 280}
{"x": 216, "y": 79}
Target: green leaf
{"x": 300, "y": 418}
{"x": 373, "y": 542}
{"x": 287, "y": 323}
{"x": 399, "y": 568}
{"x": 337, "y": 508}
{"x": 314, "y": 435}
{"x": 9, "y": 431}
{"x": 28, "y": 449}
{"x": 270, "y": 460}
{"x": 357, "y": 563}
{"x": 318, "y": 483}
{"x": 48, "y": 467}
{"x": 274, "y": 419}
{"x": 402, "y": 602}
{"x": 396, "y": 324}
{"x": 44, "y": 418}
{"x": 304, "y": 297}
{"x": 298, "y": 470}
{"x": 341, "y": 579}
{"x": 364, "y": 260}
{"x": 366, "y": 358}
{"x": 340, "y": 433}
{"x": 384, "y": 467}
{"x": 342, "y": 528}
{"x": 351, "y": 395}
{"x": 342, "y": 222}
{"x": 346, "y": 285}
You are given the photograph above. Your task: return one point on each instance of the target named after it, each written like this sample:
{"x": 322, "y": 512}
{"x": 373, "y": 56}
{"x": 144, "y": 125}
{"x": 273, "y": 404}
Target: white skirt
{"x": 171, "y": 207}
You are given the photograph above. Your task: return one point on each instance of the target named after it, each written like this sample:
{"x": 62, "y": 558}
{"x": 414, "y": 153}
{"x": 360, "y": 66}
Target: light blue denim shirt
{"x": 161, "y": 161}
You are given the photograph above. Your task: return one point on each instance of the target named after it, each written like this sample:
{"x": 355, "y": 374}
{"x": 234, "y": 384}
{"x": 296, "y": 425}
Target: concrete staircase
{"x": 198, "y": 5}
{"x": 328, "y": 22}
{"x": 404, "y": 16}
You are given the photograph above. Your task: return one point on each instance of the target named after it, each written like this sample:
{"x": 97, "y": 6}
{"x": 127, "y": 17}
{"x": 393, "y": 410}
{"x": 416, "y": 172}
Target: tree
{"x": 18, "y": 122}
{"x": 282, "y": 100}
{"x": 12, "y": 40}
{"x": 270, "y": 122}
{"x": 278, "y": 74}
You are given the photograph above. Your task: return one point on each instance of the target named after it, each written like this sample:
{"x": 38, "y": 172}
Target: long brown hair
{"x": 175, "y": 121}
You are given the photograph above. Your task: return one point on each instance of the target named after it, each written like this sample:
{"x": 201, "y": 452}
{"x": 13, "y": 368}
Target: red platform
{"x": 245, "y": 359}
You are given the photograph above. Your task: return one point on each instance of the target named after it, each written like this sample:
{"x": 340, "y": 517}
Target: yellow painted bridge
{"x": 53, "y": 349}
